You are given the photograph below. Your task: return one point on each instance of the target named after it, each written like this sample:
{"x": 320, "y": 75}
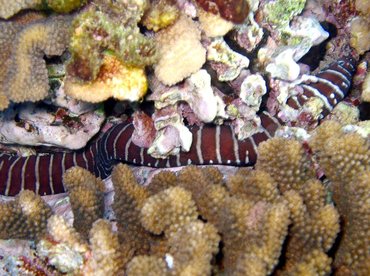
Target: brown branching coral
{"x": 310, "y": 232}
{"x": 253, "y": 185}
{"x": 24, "y": 75}
{"x": 86, "y": 193}
{"x": 107, "y": 257}
{"x": 353, "y": 255}
{"x": 193, "y": 258}
{"x": 315, "y": 224}
{"x": 276, "y": 219}
{"x": 168, "y": 211}
{"x": 345, "y": 160}
{"x": 128, "y": 200}
{"x": 161, "y": 182}
{"x": 146, "y": 265}
{"x": 342, "y": 156}
{"x": 7, "y": 33}
{"x": 287, "y": 163}
{"x": 209, "y": 197}
{"x": 24, "y": 218}
{"x": 62, "y": 246}
{"x": 254, "y": 232}
{"x": 246, "y": 226}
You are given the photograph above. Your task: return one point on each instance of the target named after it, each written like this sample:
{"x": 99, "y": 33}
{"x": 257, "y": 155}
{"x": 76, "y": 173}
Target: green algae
{"x": 280, "y": 12}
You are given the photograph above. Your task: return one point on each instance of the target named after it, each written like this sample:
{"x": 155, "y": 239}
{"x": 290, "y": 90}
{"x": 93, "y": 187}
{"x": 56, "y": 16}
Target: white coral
{"x": 180, "y": 51}
{"x": 231, "y": 62}
{"x": 198, "y": 93}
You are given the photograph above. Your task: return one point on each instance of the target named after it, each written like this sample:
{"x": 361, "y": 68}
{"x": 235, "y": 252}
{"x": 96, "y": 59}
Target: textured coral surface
{"x": 250, "y": 68}
{"x": 181, "y": 221}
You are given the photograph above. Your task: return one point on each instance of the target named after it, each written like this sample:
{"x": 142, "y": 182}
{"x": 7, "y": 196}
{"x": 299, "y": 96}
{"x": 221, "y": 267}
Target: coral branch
{"x": 86, "y": 193}
{"x": 24, "y": 218}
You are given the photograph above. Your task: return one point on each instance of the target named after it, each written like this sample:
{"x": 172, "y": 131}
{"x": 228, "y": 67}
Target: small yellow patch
{"x": 115, "y": 79}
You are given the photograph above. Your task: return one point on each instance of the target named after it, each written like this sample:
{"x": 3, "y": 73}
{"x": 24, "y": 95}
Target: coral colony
{"x": 184, "y": 137}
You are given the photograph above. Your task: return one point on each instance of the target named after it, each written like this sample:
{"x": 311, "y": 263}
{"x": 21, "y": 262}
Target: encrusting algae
{"x": 108, "y": 53}
{"x": 176, "y": 224}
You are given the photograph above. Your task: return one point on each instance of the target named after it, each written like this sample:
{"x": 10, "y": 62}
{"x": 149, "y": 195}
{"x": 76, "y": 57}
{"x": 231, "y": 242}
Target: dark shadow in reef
{"x": 364, "y": 111}
{"x": 317, "y": 53}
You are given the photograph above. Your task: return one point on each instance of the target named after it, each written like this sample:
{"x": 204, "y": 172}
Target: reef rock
{"x": 35, "y": 125}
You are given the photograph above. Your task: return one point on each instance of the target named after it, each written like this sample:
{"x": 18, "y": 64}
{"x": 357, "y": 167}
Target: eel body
{"x": 42, "y": 173}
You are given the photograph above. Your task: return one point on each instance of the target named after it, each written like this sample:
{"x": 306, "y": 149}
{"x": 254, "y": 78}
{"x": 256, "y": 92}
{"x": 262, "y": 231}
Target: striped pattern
{"x": 329, "y": 85}
{"x": 42, "y": 173}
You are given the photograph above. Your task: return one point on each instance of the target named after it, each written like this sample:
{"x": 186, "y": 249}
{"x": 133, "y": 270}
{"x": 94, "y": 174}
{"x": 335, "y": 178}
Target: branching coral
{"x": 25, "y": 77}
{"x": 146, "y": 265}
{"x": 176, "y": 225}
{"x": 342, "y": 156}
{"x": 168, "y": 211}
{"x": 311, "y": 232}
{"x": 129, "y": 199}
{"x": 353, "y": 255}
{"x": 315, "y": 224}
{"x": 193, "y": 258}
{"x": 345, "y": 159}
{"x": 24, "y": 218}
{"x": 86, "y": 194}
{"x": 107, "y": 258}
{"x": 63, "y": 246}
{"x": 246, "y": 226}
{"x": 287, "y": 163}
{"x": 209, "y": 198}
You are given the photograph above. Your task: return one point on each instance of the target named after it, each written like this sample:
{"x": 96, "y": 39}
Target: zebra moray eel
{"x": 42, "y": 173}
